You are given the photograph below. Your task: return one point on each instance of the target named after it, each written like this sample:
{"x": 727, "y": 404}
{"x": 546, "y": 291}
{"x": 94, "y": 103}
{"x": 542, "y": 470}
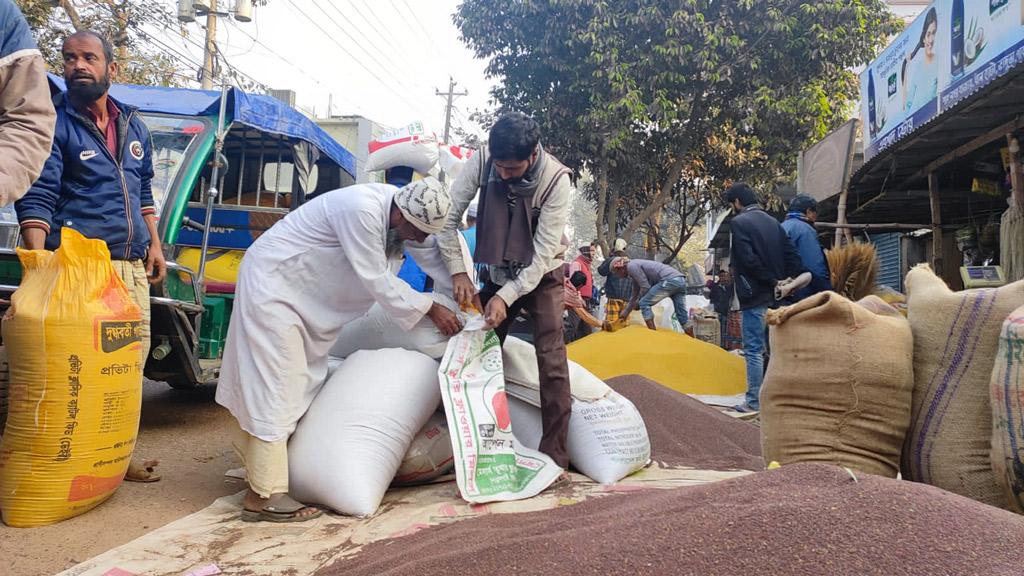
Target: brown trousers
{"x": 545, "y": 305}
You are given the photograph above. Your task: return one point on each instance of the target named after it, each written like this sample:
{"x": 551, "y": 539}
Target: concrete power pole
{"x": 450, "y": 95}
{"x": 210, "y": 49}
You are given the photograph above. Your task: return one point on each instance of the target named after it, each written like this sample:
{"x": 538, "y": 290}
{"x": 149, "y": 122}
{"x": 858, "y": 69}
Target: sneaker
{"x": 745, "y": 408}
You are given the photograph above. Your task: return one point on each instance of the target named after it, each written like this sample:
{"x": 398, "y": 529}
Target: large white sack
{"x": 453, "y": 159}
{"x": 429, "y": 456}
{"x": 410, "y": 145}
{"x": 377, "y": 330}
{"x": 607, "y": 437}
{"x": 520, "y": 361}
{"x": 349, "y": 445}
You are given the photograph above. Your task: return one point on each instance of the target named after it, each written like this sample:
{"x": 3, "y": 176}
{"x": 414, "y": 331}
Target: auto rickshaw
{"x": 228, "y": 165}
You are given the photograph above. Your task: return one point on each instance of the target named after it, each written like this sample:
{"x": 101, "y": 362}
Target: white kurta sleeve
{"x": 360, "y": 233}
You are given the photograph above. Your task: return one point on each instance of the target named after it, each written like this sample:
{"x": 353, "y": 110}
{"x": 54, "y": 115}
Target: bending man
{"x": 652, "y": 283}
{"x": 319, "y": 268}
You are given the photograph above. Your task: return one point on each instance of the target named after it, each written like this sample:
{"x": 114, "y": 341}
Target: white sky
{"x": 381, "y": 59}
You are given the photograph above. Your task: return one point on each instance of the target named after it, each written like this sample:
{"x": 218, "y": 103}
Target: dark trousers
{"x": 545, "y": 306}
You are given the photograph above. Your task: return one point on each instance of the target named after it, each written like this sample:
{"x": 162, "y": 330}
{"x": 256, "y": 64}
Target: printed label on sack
{"x": 489, "y": 464}
{"x": 115, "y": 335}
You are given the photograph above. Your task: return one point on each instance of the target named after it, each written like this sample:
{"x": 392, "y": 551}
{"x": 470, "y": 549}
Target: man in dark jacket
{"x": 762, "y": 255}
{"x": 799, "y": 226}
{"x": 720, "y": 293}
{"x": 98, "y": 180}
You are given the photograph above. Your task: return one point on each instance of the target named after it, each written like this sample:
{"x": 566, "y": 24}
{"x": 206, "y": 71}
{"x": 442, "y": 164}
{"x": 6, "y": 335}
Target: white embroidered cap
{"x": 424, "y": 203}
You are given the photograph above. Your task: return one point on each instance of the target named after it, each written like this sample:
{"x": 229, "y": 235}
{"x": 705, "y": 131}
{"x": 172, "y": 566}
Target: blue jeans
{"x": 753, "y": 352}
{"x": 674, "y": 288}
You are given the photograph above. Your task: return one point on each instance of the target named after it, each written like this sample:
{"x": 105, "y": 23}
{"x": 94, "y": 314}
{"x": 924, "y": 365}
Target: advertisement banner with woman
{"x": 900, "y": 88}
{"x": 950, "y": 51}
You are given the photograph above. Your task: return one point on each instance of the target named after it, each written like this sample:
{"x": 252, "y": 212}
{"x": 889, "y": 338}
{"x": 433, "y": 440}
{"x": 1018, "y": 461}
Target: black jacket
{"x": 720, "y": 296}
{"x": 761, "y": 256}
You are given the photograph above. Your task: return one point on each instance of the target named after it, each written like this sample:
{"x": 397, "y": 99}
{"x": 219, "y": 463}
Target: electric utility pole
{"x": 450, "y": 96}
{"x": 210, "y": 48}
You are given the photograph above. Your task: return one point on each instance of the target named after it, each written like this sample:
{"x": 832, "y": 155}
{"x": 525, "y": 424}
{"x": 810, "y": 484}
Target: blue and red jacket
{"x": 85, "y": 187}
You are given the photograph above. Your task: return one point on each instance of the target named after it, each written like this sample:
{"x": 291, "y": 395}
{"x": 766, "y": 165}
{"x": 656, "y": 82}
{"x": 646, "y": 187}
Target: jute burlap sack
{"x": 956, "y": 335}
{"x": 838, "y": 385}
{"x": 1006, "y": 394}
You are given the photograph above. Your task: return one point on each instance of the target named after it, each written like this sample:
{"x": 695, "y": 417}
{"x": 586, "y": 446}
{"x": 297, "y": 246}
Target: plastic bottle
{"x": 957, "y": 39}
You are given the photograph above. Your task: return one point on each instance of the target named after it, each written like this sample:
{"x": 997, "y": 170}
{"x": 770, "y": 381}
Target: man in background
{"x": 720, "y": 293}
{"x": 652, "y": 283}
{"x": 799, "y": 227}
{"x": 762, "y": 255}
{"x": 617, "y": 290}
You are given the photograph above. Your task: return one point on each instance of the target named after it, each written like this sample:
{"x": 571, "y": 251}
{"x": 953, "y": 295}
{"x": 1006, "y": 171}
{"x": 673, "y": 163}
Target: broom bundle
{"x": 854, "y": 269}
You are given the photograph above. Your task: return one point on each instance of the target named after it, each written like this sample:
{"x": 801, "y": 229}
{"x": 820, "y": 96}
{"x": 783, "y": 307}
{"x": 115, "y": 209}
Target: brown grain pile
{"x": 686, "y": 432}
{"x": 802, "y": 519}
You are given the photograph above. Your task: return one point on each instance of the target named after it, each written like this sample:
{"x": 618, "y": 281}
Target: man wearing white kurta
{"x": 320, "y": 267}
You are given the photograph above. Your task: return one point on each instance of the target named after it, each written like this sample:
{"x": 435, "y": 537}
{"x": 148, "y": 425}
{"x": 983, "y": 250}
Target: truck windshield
{"x": 172, "y": 137}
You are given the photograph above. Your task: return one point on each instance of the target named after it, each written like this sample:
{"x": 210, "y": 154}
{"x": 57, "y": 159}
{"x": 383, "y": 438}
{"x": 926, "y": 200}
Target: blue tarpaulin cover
{"x": 254, "y": 110}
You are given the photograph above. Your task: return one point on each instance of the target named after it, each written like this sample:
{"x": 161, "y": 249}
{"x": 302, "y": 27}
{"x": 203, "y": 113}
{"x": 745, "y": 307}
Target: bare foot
{"x": 142, "y": 472}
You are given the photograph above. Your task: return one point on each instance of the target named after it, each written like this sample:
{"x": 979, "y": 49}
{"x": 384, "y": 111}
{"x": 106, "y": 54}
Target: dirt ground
{"x": 187, "y": 432}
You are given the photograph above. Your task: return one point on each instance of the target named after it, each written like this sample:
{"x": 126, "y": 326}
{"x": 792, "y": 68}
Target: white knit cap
{"x": 620, "y": 244}
{"x": 425, "y": 204}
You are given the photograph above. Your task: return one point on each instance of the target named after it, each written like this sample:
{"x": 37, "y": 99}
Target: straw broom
{"x": 854, "y": 269}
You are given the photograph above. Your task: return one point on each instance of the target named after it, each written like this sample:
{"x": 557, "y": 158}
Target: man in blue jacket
{"x": 762, "y": 255}
{"x": 97, "y": 180}
{"x": 799, "y": 226}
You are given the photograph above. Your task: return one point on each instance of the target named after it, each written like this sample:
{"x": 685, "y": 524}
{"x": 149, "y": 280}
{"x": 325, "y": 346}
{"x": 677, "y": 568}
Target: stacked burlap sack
{"x": 838, "y": 387}
{"x": 937, "y": 398}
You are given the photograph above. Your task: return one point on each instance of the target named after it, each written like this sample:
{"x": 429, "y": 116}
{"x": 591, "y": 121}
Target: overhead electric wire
{"x": 350, "y": 55}
{"x": 385, "y": 53}
{"x": 386, "y": 69}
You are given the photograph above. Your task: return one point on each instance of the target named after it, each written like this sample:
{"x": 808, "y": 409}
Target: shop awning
{"x": 893, "y": 185}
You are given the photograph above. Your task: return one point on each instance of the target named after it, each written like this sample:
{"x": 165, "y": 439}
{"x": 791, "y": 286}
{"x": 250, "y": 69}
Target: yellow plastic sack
{"x": 221, "y": 265}
{"x": 73, "y": 342}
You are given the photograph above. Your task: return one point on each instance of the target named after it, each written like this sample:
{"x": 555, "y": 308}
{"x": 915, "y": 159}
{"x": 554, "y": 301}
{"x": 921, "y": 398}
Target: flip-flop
{"x": 144, "y": 473}
{"x": 563, "y": 480}
{"x": 284, "y": 509}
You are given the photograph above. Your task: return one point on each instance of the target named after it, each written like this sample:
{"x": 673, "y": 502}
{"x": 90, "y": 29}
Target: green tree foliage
{"x": 660, "y": 98}
{"x": 142, "y": 61}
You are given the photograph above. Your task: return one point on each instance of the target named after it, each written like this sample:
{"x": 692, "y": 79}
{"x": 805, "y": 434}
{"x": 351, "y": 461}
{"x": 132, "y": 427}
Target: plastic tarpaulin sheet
{"x": 254, "y": 110}
{"x": 216, "y": 534}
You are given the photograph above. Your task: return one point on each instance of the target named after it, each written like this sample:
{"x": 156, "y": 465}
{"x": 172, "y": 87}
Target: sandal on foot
{"x": 563, "y": 480}
{"x": 281, "y": 509}
{"x": 142, "y": 473}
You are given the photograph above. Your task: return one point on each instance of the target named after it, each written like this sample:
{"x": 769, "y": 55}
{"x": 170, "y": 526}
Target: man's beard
{"x": 84, "y": 94}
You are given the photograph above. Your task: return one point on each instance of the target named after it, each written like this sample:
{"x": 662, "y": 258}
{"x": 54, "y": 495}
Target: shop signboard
{"x": 951, "y": 50}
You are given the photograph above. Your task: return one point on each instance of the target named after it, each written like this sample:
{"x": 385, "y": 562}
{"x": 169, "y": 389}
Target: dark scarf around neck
{"x": 506, "y": 217}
